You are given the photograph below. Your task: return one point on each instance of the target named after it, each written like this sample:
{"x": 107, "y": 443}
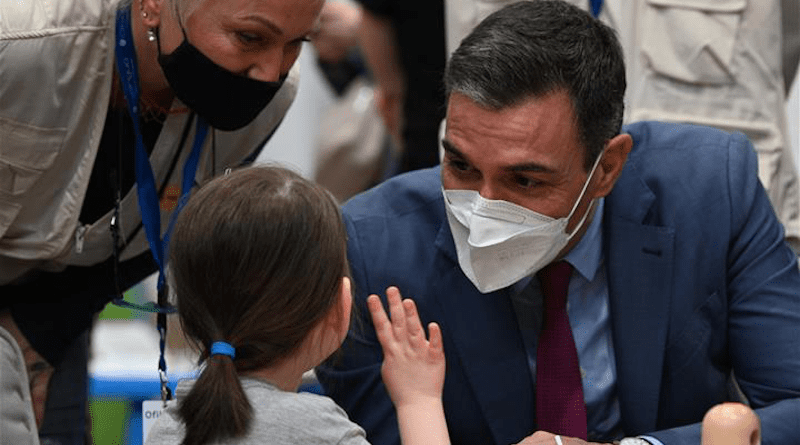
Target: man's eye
{"x": 524, "y": 182}
{"x": 458, "y": 164}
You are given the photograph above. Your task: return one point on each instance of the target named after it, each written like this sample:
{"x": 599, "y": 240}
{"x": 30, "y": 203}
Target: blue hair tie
{"x": 223, "y": 348}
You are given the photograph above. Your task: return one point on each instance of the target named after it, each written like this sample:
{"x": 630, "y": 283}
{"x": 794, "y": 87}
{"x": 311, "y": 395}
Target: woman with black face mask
{"x": 109, "y": 114}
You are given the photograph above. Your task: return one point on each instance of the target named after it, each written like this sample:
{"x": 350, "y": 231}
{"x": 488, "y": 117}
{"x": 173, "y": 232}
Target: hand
{"x": 39, "y": 371}
{"x": 337, "y": 31}
{"x": 413, "y": 367}
{"x": 731, "y": 424}
{"x": 545, "y": 438}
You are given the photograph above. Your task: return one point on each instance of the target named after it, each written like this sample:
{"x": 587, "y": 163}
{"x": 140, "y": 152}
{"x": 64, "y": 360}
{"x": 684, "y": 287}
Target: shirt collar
{"x": 585, "y": 256}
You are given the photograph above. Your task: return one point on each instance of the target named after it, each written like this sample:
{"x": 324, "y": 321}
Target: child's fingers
{"x": 435, "y": 337}
{"x": 413, "y": 325}
{"x": 379, "y": 318}
{"x": 396, "y": 311}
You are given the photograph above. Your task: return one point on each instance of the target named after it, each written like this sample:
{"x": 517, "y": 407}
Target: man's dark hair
{"x": 532, "y": 48}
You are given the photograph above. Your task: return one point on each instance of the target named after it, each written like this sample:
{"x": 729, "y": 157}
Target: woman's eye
{"x": 248, "y": 37}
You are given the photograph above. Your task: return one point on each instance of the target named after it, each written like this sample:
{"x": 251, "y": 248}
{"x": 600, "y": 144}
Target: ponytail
{"x": 216, "y": 408}
{"x": 236, "y": 251}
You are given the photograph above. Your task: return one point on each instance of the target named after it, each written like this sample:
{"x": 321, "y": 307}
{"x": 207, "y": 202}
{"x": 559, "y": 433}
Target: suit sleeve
{"x": 763, "y": 295}
{"x": 352, "y": 376}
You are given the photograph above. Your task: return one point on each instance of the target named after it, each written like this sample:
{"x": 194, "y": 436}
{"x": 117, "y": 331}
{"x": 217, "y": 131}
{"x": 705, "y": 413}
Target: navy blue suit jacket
{"x": 701, "y": 284}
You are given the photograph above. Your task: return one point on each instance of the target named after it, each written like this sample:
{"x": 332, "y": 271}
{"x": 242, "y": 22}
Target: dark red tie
{"x": 560, "y": 408}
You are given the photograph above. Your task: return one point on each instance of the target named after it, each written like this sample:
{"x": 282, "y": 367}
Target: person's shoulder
{"x": 669, "y": 135}
{"x": 651, "y": 138}
{"x": 37, "y": 18}
{"x": 680, "y": 169}
{"x": 294, "y": 404}
{"x": 288, "y": 417}
{"x": 410, "y": 192}
{"x": 330, "y": 420}
{"x": 675, "y": 149}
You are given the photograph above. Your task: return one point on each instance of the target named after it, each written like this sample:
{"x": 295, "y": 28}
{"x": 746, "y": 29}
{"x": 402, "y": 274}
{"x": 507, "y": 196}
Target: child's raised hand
{"x": 413, "y": 367}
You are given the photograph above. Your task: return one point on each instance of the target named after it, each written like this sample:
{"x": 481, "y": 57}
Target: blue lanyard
{"x": 596, "y": 6}
{"x": 145, "y": 181}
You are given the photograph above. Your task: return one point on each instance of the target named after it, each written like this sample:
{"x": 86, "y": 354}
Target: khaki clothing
{"x": 56, "y": 69}
{"x": 17, "y": 421}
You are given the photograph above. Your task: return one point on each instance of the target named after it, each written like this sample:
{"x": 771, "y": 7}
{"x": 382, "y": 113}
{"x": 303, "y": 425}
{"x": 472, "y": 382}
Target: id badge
{"x": 151, "y": 411}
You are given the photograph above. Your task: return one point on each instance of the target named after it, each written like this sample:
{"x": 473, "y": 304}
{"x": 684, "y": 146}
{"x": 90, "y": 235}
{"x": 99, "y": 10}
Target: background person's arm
{"x": 378, "y": 43}
{"x": 39, "y": 371}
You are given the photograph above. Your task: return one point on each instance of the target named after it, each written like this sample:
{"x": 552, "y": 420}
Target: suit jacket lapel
{"x": 639, "y": 259}
{"x": 488, "y": 344}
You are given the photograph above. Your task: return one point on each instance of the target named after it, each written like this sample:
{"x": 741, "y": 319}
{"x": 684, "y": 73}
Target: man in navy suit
{"x": 682, "y": 292}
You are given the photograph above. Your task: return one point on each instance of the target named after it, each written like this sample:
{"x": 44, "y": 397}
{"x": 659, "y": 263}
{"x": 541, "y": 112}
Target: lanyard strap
{"x": 596, "y": 6}
{"x": 145, "y": 180}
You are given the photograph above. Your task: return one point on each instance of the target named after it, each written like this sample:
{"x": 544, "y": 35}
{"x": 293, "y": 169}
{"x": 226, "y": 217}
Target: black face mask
{"x": 227, "y": 101}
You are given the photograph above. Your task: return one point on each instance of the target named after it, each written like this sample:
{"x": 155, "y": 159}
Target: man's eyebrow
{"x": 530, "y": 167}
{"x": 525, "y": 167}
{"x": 450, "y": 148}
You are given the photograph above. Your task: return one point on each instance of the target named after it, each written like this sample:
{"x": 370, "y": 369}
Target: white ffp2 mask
{"x": 499, "y": 242}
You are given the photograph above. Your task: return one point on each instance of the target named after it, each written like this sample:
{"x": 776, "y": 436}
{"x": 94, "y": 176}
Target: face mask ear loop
{"x": 575, "y": 206}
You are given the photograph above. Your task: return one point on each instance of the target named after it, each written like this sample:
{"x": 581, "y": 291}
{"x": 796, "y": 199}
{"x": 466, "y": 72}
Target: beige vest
{"x": 56, "y": 69}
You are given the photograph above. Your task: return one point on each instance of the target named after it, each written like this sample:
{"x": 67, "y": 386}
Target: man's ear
{"x": 611, "y": 163}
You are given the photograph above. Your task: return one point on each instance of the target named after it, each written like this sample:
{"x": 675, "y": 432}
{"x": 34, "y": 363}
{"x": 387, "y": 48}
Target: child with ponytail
{"x": 258, "y": 263}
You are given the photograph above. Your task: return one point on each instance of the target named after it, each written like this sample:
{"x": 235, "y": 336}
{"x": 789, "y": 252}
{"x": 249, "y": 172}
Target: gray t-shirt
{"x": 279, "y": 417}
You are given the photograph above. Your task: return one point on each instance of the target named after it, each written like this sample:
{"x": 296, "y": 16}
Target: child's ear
{"x": 345, "y": 306}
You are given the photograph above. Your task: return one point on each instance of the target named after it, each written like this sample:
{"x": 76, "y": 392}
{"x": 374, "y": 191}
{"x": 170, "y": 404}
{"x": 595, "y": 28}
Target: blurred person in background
{"x": 403, "y": 44}
{"x": 336, "y": 42}
{"x": 354, "y": 150}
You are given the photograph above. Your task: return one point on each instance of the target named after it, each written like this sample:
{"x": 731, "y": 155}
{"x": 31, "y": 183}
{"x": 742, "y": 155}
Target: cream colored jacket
{"x": 707, "y": 62}
{"x": 56, "y": 68}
